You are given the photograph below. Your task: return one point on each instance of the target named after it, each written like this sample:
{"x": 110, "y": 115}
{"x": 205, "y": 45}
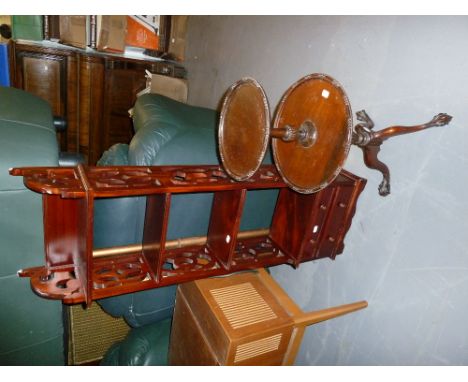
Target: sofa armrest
{"x": 116, "y": 155}
{"x": 32, "y": 331}
{"x": 145, "y": 346}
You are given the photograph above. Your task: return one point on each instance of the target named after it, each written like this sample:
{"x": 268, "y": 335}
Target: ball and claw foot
{"x": 440, "y": 119}
{"x": 384, "y": 187}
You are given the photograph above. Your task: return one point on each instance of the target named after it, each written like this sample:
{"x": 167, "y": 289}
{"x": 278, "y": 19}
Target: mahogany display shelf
{"x": 304, "y": 227}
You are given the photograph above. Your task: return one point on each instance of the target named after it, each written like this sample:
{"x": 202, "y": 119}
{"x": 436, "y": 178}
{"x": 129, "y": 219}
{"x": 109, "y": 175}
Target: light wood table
{"x": 241, "y": 319}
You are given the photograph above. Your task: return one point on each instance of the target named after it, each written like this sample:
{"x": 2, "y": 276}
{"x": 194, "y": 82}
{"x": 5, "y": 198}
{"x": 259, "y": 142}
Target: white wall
{"x": 407, "y": 254}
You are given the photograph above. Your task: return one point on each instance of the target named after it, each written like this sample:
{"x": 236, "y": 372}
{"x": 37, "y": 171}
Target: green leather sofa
{"x": 31, "y": 327}
{"x": 166, "y": 132}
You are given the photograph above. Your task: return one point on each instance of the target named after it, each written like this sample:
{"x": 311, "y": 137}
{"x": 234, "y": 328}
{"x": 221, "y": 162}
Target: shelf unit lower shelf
{"x": 118, "y": 274}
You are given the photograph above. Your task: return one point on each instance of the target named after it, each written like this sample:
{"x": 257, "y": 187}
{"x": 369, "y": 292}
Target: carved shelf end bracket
{"x": 370, "y": 141}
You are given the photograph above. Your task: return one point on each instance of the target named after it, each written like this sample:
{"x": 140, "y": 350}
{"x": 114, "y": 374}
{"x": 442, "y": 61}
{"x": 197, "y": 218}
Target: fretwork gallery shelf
{"x": 304, "y": 227}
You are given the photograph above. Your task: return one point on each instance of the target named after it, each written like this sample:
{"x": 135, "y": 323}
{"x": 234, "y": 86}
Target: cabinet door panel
{"x": 72, "y": 105}
{"x": 122, "y": 85}
{"x": 43, "y": 74}
{"x": 91, "y": 116}
{"x": 42, "y": 78}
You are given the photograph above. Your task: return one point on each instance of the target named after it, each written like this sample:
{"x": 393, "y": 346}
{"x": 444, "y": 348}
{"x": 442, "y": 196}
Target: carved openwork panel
{"x": 119, "y": 271}
{"x": 255, "y": 251}
{"x": 192, "y": 259}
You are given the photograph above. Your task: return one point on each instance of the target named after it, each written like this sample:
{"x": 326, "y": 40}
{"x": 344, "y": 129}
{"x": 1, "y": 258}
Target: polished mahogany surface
{"x": 304, "y": 227}
{"x": 311, "y": 135}
{"x": 244, "y": 129}
{"x": 319, "y": 105}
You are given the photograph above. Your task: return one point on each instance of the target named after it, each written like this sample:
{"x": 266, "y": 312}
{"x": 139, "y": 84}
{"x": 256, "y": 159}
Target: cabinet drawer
{"x": 335, "y": 228}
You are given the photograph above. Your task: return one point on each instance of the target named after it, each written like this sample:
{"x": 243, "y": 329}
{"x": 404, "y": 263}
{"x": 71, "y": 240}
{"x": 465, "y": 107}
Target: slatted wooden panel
{"x": 258, "y": 347}
{"x": 242, "y": 305}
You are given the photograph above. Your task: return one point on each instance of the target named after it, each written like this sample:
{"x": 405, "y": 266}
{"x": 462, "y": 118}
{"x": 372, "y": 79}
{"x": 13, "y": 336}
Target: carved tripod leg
{"x": 440, "y": 119}
{"x": 370, "y": 141}
{"x": 371, "y": 161}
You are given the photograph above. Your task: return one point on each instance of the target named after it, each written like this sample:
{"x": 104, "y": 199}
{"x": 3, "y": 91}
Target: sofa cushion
{"x": 21, "y": 231}
{"x": 171, "y": 132}
{"x": 32, "y": 329}
{"x": 19, "y": 106}
{"x": 155, "y": 109}
{"x": 142, "y": 308}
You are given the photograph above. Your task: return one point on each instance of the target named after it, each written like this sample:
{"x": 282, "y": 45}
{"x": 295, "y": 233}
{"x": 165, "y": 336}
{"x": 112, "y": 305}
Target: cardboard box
{"x": 111, "y": 33}
{"x": 73, "y": 31}
{"x": 174, "y": 88}
{"x": 178, "y": 36}
{"x": 141, "y": 34}
{"x": 27, "y": 27}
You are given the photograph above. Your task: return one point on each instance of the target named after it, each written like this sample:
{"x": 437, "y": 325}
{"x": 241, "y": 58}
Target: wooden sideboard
{"x": 92, "y": 90}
